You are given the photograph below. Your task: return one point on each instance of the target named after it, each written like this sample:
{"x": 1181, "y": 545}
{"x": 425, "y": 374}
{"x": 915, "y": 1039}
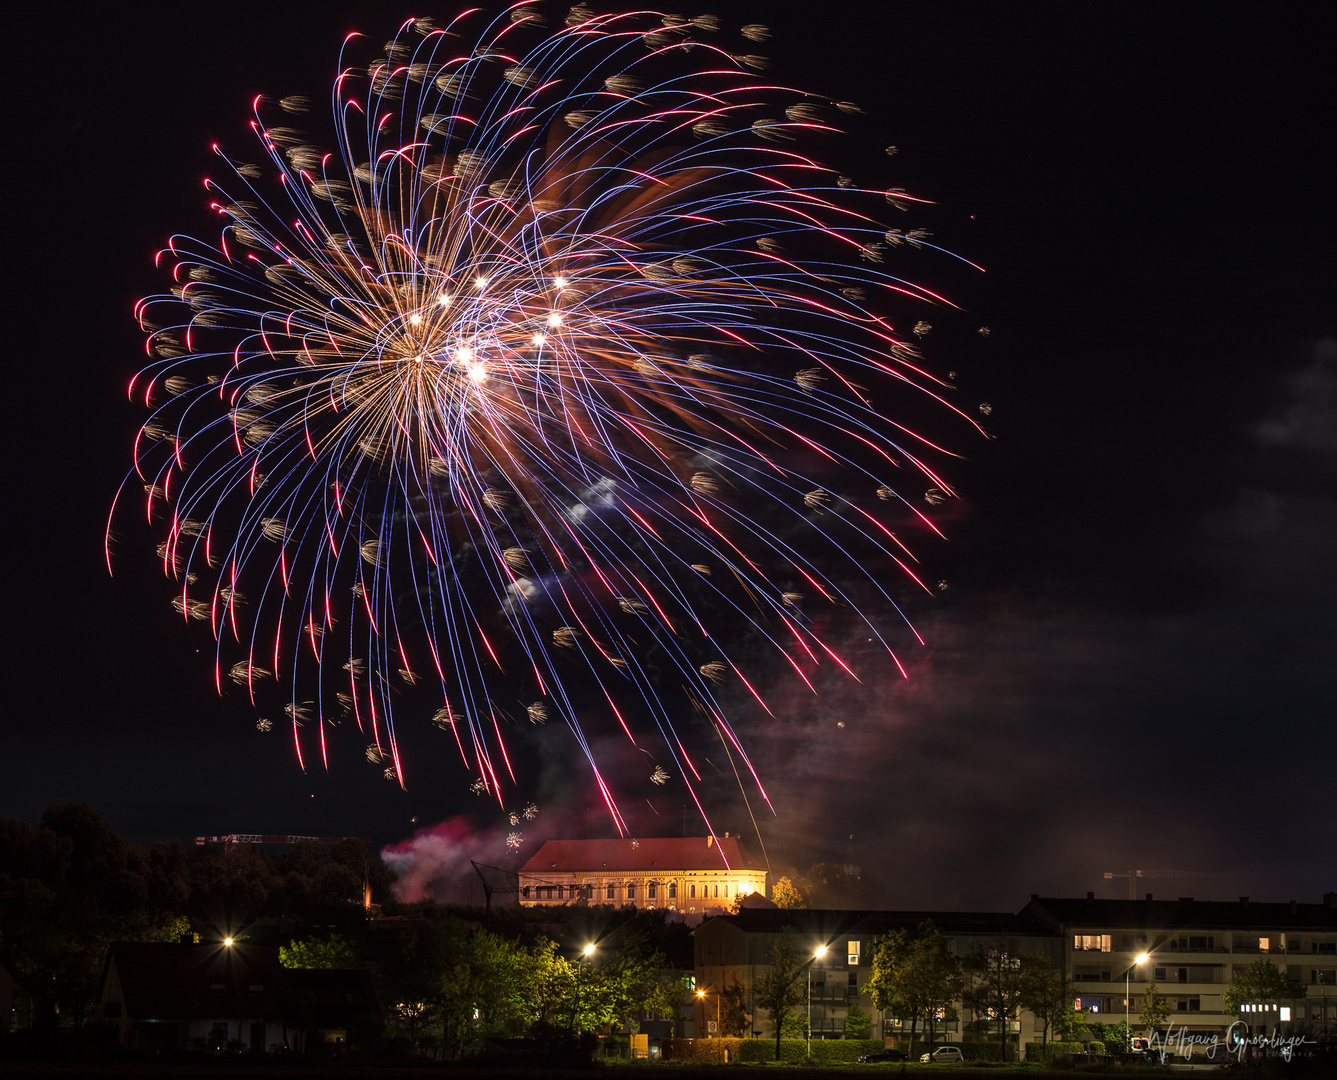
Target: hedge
{"x": 1054, "y": 1051}
{"x": 793, "y": 1051}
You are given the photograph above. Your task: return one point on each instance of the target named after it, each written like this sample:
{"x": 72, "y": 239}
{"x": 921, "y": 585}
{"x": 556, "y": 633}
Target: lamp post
{"x": 585, "y": 954}
{"x": 701, "y": 998}
{"x": 818, "y": 953}
{"x": 1140, "y": 958}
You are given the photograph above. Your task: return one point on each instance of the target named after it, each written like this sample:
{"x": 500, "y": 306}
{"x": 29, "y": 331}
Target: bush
{"x": 1054, "y": 1051}
{"x": 792, "y": 1051}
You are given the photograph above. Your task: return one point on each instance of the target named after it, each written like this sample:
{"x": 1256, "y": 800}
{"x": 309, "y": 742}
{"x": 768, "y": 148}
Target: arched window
{"x": 726, "y": 890}
{"x": 652, "y": 891}
{"x": 691, "y": 891}
{"x": 559, "y": 892}
{"x": 612, "y": 891}
{"x": 673, "y": 890}
{"x": 631, "y": 892}
{"x": 525, "y": 892}
{"x": 717, "y": 890}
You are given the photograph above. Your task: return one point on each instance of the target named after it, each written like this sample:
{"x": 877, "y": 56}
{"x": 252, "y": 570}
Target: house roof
{"x": 625, "y": 854}
{"x": 161, "y": 981}
{"x": 833, "y": 924}
{"x": 1182, "y": 914}
{"x": 170, "y": 982}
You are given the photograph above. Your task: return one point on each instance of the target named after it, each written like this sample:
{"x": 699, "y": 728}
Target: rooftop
{"x": 627, "y": 854}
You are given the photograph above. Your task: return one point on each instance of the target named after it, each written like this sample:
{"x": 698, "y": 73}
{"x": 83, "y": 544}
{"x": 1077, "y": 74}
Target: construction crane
{"x": 1134, "y": 875}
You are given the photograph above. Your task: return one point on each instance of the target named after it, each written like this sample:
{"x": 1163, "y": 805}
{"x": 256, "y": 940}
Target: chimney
{"x": 1148, "y": 898}
{"x": 1090, "y": 896}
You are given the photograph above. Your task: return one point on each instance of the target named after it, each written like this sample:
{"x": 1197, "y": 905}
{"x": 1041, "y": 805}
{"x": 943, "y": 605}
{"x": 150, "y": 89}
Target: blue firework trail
{"x": 563, "y": 364}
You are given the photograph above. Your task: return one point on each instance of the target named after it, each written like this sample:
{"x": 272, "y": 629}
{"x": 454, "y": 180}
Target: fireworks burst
{"x": 560, "y": 351}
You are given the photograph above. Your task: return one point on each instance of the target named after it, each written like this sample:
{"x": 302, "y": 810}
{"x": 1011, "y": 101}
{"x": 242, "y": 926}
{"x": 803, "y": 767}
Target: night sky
{"x": 1133, "y": 664}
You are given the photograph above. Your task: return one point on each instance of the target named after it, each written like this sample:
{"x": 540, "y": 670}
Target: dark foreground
{"x": 353, "y": 1071}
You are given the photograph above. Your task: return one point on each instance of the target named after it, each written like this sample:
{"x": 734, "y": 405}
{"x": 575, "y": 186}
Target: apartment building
{"x": 1194, "y": 948}
{"x": 736, "y": 948}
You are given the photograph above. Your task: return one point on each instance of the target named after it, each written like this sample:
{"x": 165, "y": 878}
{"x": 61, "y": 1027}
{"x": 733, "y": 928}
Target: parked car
{"x": 944, "y": 1053}
{"x": 889, "y": 1054}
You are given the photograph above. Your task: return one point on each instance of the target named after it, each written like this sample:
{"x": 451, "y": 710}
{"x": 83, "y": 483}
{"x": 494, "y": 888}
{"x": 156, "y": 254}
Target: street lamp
{"x": 585, "y": 953}
{"x": 818, "y": 953}
{"x": 1140, "y": 958}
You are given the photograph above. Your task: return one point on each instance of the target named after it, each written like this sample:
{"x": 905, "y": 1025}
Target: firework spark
{"x": 557, "y": 352}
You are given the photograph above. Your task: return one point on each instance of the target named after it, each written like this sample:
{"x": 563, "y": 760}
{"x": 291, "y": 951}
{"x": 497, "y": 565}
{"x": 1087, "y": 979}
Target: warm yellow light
{"x": 589, "y": 950}
{"x": 1141, "y": 958}
{"x": 559, "y": 283}
{"x": 820, "y": 952}
{"x": 700, "y": 993}
{"x": 227, "y": 941}
{"x": 481, "y": 282}
{"x": 415, "y": 318}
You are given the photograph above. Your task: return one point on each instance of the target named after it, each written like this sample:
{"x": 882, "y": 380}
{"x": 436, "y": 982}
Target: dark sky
{"x": 1133, "y": 665}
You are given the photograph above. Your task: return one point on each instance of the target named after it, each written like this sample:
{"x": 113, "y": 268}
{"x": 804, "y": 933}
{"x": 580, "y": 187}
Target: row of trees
{"x": 444, "y": 985}
{"x": 71, "y": 885}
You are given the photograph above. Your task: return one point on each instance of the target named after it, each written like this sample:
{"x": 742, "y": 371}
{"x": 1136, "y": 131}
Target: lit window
{"x": 1264, "y": 944}
{"x": 854, "y": 952}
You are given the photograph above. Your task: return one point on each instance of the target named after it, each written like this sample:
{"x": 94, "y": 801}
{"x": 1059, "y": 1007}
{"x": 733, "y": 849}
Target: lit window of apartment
{"x": 1092, "y": 942}
{"x": 1264, "y": 944}
{"x": 854, "y": 952}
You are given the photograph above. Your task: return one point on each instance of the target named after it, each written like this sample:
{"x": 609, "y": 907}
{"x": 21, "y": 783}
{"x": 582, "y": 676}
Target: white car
{"x": 944, "y": 1053}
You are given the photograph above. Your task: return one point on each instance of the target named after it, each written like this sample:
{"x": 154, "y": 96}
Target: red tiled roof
{"x": 680, "y": 853}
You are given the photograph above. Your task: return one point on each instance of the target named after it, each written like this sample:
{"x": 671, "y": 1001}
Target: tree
{"x": 735, "y": 1022}
{"x": 1114, "y": 1036}
{"x": 334, "y": 952}
{"x": 1155, "y": 1009}
{"x": 857, "y": 1023}
{"x": 778, "y": 990}
{"x": 1260, "y": 981}
{"x": 786, "y": 895}
{"x": 995, "y": 985}
{"x": 915, "y": 977}
{"x": 1046, "y": 992}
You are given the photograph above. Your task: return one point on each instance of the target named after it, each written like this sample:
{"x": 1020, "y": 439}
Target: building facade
{"x": 1194, "y": 948}
{"x": 695, "y": 875}
{"x": 736, "y": 949}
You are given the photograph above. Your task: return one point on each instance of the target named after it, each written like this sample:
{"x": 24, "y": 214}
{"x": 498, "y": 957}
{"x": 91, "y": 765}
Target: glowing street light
{"x": 817, "y": 954}
{"x": 1140, "y": 958}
